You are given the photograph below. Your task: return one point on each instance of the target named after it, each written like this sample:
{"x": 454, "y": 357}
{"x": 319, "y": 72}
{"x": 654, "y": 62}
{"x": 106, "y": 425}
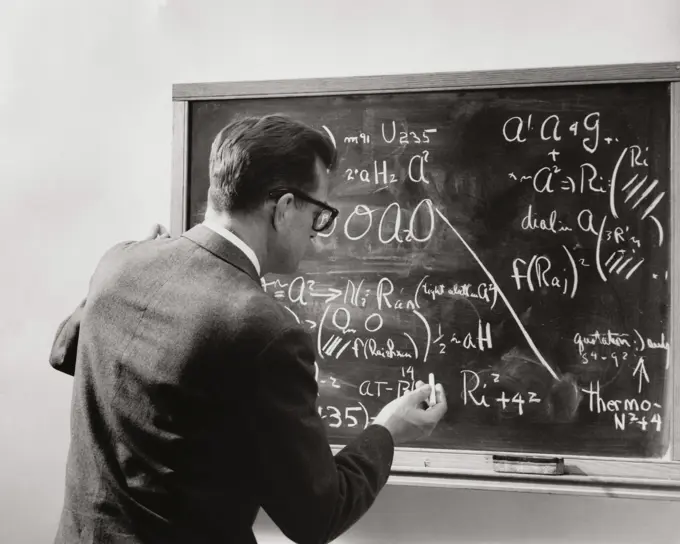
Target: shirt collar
{"x": 231, "y": 237}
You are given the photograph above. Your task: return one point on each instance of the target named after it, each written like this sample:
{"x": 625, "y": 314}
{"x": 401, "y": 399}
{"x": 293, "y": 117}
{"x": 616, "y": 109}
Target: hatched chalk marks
{"x": 653, "y": 204}
{"x": 635, "y": 189}
{"x": 618, "y": 262}
{"x": 632, "y": 180}
{"x": 329, "y": 348}
{"x": 644, "y": 191}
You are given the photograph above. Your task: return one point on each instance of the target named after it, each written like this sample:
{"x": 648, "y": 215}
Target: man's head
{"x": 270, "y": 174}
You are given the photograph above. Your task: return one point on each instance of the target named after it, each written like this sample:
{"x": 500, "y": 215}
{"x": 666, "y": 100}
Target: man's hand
{"x": 157, "y": 231}
{"x": 409, "y": 418}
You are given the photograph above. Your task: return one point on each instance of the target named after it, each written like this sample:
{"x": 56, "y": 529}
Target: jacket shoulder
{"x": 263, "y": 317}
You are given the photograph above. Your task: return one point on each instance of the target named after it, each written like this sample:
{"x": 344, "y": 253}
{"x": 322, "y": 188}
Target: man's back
{"x": 194, "y": 404}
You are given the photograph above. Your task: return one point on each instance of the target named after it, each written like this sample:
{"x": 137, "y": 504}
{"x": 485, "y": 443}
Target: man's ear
{"x": 282, "y": 212}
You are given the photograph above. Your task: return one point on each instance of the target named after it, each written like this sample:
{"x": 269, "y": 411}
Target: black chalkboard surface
{"x": 513, "y": 242}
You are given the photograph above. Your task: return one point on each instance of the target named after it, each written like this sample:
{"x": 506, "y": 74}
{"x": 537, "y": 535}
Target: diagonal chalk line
{"x": 502, "y": 295}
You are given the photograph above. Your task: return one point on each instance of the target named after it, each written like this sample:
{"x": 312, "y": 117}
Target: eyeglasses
{"x": 322, "y": 219}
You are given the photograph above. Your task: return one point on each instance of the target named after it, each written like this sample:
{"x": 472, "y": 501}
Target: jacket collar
{"x": 222, "y": 248}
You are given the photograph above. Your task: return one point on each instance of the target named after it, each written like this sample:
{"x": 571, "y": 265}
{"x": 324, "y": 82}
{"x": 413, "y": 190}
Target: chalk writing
{"x": 519, "y": 252}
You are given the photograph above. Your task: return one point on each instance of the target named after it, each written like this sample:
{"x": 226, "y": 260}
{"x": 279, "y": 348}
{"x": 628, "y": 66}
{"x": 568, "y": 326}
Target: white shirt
{"x": 219, "y": 229}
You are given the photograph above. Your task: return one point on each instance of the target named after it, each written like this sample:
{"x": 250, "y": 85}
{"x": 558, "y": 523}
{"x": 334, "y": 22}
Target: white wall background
{"x": 85, "y": 135}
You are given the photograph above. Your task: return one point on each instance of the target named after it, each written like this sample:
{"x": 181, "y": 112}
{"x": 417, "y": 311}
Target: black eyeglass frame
{"x": 334, "y": 212}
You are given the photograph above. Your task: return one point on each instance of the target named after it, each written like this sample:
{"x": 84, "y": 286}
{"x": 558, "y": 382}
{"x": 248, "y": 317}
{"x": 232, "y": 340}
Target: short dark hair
{"x": 252, "y": 155}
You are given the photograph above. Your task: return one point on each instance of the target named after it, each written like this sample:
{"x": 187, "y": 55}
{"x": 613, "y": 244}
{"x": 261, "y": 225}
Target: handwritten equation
{"x": 391, "y": 319}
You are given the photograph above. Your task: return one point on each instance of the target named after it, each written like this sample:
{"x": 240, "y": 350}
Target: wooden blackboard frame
{"x": 601, "y": 476}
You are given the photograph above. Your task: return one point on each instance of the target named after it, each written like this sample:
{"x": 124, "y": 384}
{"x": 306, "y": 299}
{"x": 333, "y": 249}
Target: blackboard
{"x": 514, "y": 242}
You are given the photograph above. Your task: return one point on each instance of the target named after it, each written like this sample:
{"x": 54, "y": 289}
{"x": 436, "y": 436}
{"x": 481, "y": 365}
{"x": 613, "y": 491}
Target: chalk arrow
{"x": 642, "y": 371}
{"x": 331, "y": 296}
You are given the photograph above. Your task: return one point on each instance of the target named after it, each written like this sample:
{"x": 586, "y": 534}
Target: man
{"x": 194, "y": 391}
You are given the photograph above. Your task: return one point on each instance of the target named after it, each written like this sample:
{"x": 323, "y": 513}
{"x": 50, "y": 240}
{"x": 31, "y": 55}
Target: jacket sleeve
{"x": 312, "y": 496}
{"x": 65, "y": 345}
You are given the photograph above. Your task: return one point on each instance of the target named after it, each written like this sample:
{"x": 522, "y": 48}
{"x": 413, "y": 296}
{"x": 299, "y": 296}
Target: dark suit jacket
{"x": 194, "y": 404}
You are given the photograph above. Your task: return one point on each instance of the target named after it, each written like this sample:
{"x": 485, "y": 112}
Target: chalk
{"x": 433, "y": 397}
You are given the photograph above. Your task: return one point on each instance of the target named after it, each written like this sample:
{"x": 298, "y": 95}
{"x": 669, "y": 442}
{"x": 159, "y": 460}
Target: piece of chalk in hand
{"x": 433, "y": 396}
